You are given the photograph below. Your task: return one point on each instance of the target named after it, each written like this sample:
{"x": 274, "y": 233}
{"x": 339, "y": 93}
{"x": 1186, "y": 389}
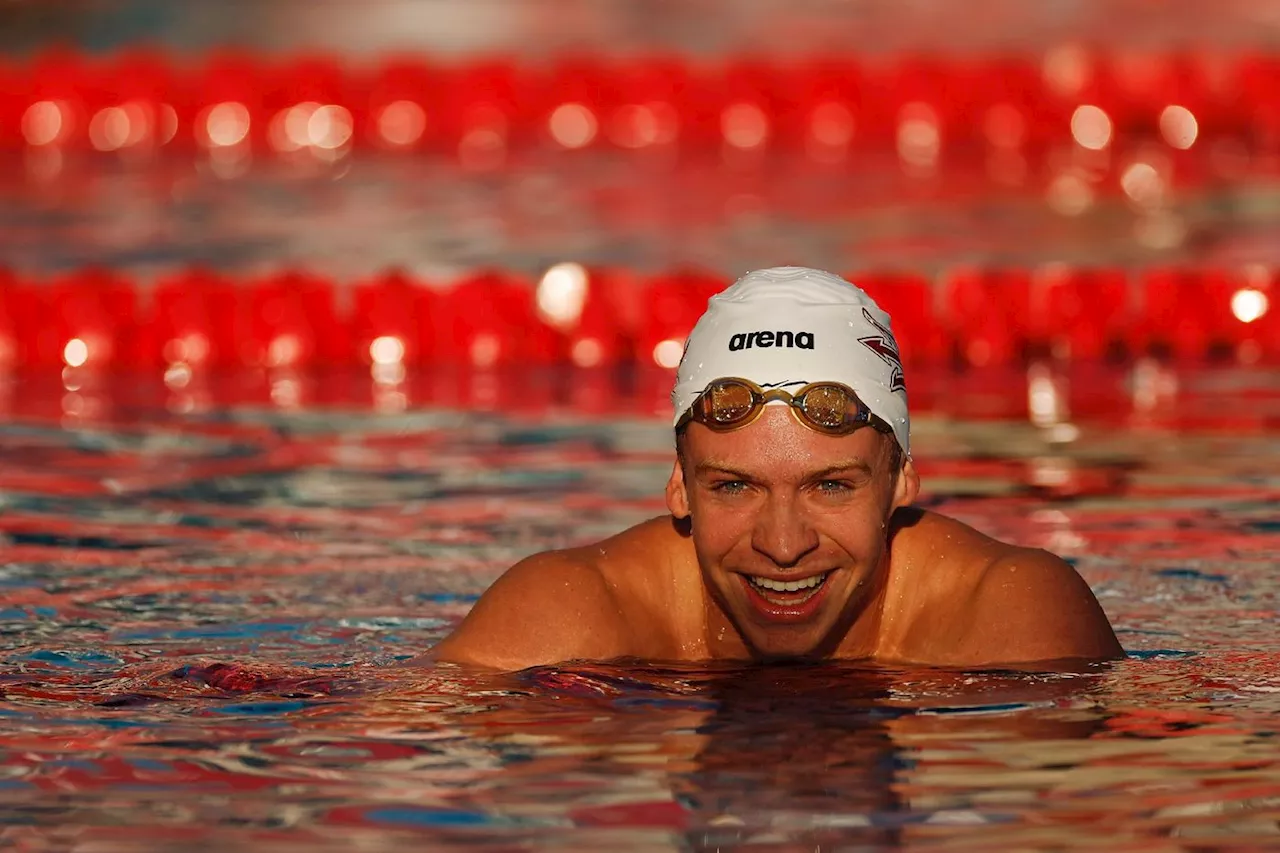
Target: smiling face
{"x": 789, "y": 526}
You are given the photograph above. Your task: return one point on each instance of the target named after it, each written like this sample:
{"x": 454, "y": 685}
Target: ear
{"x": 677, "y": 494}
{"x": 907, "y": 488}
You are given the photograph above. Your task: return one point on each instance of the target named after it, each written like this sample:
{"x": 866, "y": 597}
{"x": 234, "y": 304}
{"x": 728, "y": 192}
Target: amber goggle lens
{"x": 825, "y": 405}
{"x": 728, "y": 403}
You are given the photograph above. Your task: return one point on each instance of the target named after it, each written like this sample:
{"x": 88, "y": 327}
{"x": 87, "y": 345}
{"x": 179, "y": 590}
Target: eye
{"x": 835, "y": 487}
{"x": 729, "y": 487}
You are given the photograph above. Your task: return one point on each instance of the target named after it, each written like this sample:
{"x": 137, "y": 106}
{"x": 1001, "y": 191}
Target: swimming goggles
{"x": 827, "y": 407}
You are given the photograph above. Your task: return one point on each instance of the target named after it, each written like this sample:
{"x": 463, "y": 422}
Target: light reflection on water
{"x": 205, "y": 620}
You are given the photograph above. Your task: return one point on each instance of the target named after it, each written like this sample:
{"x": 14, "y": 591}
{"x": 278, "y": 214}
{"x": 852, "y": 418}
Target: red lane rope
{"x": 573, "y": 315}
{"x": 821, "y": 107}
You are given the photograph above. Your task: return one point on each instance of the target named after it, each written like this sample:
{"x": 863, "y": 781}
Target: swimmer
{"x": 791, "y": 533}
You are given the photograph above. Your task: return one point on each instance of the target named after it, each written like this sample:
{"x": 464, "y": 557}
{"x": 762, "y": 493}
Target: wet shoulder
{"x": 969, "y": 599}
{"x": 651, "y": 572}
{"x": 615, "y": 557}
{"x": 629, "y": 566}
{"x": 639, "y": 560}
{"x": 936, "y": 566}
{"x": 927, "y": 541}
{"x": 572, "y": 604}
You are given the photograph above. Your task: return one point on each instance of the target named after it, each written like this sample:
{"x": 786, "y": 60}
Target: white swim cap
{"x": 789, "y": 326}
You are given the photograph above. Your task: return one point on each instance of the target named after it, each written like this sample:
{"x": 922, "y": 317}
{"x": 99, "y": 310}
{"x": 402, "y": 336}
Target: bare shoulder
{"x": 920, "y": 532}
{"x": 992, "y": 602}
{"x": 1031, "y": 605}
{"x": 551, "y": 607}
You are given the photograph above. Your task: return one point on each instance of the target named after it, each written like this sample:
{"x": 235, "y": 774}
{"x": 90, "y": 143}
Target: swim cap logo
{"x": 765, "y": 340}
{"x": 886, "y": 349}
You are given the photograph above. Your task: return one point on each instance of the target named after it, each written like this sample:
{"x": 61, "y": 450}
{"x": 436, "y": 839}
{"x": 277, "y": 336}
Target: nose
{"x": 782, "y": 533}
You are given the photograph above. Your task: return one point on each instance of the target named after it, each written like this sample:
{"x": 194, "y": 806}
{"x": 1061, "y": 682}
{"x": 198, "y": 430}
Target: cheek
{"x": 719, "y": 531}
{"x": 867, "y": 549}
{"x": 860, "y": 536}
{"x": 715, "y": 536}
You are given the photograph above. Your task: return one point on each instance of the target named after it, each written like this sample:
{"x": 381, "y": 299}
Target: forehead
{"x": 776, "y": 446}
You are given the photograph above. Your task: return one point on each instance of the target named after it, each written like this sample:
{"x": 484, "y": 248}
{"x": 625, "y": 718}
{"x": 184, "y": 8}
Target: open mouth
{"x": 788, "y": 593}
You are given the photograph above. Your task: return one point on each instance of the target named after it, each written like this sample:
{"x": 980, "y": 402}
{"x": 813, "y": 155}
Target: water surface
{"x": 208, "y": 602}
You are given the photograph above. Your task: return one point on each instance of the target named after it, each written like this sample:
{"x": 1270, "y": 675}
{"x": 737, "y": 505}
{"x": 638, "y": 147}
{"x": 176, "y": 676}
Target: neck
{"x": 861, "y": 638}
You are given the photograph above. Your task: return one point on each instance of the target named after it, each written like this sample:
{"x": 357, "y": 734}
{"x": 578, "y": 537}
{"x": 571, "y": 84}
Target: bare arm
{"x": 1031, "y": 606}
{"x": 545, "y": 609}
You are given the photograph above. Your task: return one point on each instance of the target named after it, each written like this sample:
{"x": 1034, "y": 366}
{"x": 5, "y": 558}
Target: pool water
{"x": 210, "y": 595}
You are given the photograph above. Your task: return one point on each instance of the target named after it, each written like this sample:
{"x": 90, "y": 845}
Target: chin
{"x": 777, "y": 646}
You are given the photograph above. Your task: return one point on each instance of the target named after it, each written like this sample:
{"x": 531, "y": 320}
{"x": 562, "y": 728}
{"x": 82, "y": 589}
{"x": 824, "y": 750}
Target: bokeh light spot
{"x": 110, "y": 129}
{"x": 387, "y": 349}
{"x": 43, "y": 123}
{"x": 562, "y": 291}
{"x": 75, "y": 353}
{"x": 226, "y": 124}
{"x": 1249, "y": 305}
{"x": 744, "y": 126}
{"x": 668, "y": 353}
{"x": 832, "y": 123}
{"x": 329, "y": 127}
{"x": 572, "y": 125}
{"x": 1179, "y": 127}
{"x": 402, "y": 123}
{"x": 1091, "y": 127}
{"x": 919, "y": 138}
{"x": 485, "y": 350}
{"x": 587, "y": 352}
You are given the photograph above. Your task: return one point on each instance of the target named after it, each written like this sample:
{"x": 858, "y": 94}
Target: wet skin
{"x": 776, "y": 502}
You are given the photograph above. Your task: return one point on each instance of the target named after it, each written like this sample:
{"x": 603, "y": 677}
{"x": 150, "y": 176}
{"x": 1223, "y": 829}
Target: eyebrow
{"x": 855, "y": 464}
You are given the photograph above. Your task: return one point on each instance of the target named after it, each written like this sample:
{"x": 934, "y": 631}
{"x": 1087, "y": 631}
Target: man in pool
{"x": 791, "y": 533}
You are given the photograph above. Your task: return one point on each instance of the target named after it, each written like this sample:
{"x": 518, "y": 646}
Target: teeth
{"x": 788, "y": 586}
